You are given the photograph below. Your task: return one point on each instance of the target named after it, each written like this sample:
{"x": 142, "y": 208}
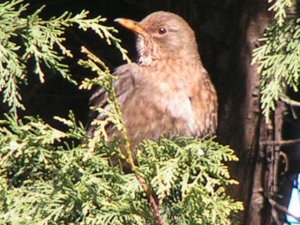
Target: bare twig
{"x": 282, "y": 209}
{"x": 275, "y": 216}
{"x": 281, "y": 142}
{"x": 290, "y": 101}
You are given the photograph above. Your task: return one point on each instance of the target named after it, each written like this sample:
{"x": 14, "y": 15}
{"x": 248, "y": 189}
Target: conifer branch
{"x": 65, "y": 176}
{"x": 129, "y": 155}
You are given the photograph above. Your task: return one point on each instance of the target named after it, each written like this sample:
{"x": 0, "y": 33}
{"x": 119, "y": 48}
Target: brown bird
{"x": 167, "y": 92}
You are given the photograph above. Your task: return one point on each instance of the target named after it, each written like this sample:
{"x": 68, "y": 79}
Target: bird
{"x": 167, "y": 91}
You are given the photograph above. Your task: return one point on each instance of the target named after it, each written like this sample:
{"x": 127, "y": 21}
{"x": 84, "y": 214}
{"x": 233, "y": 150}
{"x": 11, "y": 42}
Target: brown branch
{"x": 281, "y": 142}
{"x": 282, "y": 209}
{"x": 290, "y": 101}
{"x": 278, "y": 121}
{"x": 144, "y": 185}
{"x": 151, "y": 199}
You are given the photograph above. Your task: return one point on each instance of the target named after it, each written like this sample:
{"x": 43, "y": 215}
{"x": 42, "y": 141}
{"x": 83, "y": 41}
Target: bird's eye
{"x": 162, "y": 30}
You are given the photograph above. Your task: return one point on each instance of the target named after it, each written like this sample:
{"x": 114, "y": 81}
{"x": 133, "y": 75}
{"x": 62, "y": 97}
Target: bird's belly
{"x": 159, "y": 115}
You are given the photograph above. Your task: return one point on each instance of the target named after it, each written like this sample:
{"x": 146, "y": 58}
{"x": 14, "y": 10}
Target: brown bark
{"x": 254, "y": 124}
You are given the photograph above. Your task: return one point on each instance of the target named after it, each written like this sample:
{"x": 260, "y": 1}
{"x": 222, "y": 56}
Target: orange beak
{"x": 131, "y": 25}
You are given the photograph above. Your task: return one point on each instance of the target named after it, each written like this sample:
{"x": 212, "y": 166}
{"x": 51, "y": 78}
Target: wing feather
{"x": 123, "y": 86}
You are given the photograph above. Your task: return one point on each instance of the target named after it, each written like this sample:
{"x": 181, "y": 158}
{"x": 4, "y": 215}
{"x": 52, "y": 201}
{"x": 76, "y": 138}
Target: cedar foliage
{"x": 51, "y": 176}
{"x": 278, "y": 56}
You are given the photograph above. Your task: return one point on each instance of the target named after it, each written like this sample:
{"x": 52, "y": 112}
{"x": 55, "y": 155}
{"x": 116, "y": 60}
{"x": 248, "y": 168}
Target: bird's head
{"x": 161, "y": 35}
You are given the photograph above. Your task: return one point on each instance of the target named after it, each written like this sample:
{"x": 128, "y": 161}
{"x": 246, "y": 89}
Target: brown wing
{"x": 123, "y": 86}
{"x": 205, "y": 104}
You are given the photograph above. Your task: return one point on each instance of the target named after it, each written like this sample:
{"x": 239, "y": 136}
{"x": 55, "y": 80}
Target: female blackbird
{"x": 168, "y": 91}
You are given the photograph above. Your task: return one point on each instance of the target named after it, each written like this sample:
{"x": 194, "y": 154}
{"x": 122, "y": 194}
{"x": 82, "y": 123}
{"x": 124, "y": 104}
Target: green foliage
{"x": 47, "y": 180}
{"x": 189, "y": 178}
{"x": 280, "y": 8}
{"x": 42, "y": 42}
{"x": 49, "y": 176}
{"x": 278, "y": 57}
